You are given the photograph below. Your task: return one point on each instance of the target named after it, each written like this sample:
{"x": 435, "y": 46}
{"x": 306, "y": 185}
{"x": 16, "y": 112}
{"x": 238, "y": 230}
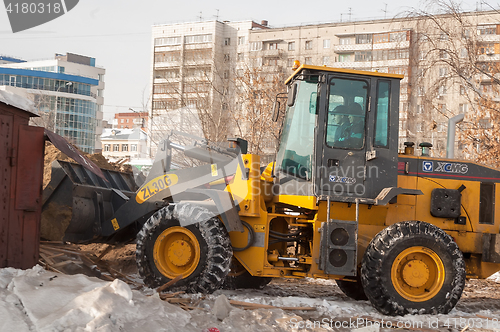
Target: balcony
{"x": 349, "y": 48}
{"x": 167, "y": 64}
{"x": 488, "y": 38}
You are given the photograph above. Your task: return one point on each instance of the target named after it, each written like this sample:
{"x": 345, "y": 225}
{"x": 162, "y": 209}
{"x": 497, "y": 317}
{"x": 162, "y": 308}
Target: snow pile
{"x": 54, "y": 302}
{"x": 495, "y": 277}
{"x": 42, "y": 301}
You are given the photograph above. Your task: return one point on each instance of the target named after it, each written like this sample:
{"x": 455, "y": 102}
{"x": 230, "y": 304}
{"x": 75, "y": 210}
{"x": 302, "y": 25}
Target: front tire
{"x": 239, "y": 277}
{"x": 200, "y": 252}
{"x": 413, "y": 267}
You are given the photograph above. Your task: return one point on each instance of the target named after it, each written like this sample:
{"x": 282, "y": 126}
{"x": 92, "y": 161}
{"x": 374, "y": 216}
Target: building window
{"x": 308, "y": 45}
{"x": 121, "y": 120}
{"x": 116, "y": 147}
{"x": 344, "y": 41}
{"x": 227, "y": 41}
{"x": 487, "y": 29}
{"x": 241, "y": 40}
{"x": 443, "y": 36}
{"x": 443, "y": 71}
{"x": 441, "y": 127}
{"x": 462, "y": 108}
{"x": 442, "y": 90}
{"x": 462, "y": 90}
{"x": 364, "y": 39}
{"x": 272, "y": 61}
{"x": 255, "y": 46}
{"x": 226, "y": 74}
{"x": 272, "y": 46}
{"x": 443, "y": 54}
{"x": 226, "y": 58}
{"x": 107, "y": 147}
{"x": 326, "y": 43}
{"x": 420, "y": 127}
{"x": 326, "y": 60}
{"x": 291, "y": 46}
{"x": 420, "y": 109}
{"x": 124, "y": 147}
{"x": 241, "y": 57}
{"x": 421, "y": 91}
{"x": 133, "y": 147}
{"x": 126, "y": 120}
{"x": 308, "y": 61}
{"x": 290, "y": 62}
{"x": 344, "y": 57}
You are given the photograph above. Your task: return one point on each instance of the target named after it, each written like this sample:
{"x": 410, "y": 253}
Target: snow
{"x": 43, "y": 301}
{"x": 10, "y": 98}
{"x": 495, "y": 277}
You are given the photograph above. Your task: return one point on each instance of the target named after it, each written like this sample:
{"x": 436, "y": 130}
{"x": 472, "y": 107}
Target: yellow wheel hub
{"x": 418, "y": 274}
{"x": 176, "y": 252}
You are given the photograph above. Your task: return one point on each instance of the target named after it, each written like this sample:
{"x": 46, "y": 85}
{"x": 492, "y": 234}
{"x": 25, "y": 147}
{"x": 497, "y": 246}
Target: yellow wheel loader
{"x": 339, "y": 202}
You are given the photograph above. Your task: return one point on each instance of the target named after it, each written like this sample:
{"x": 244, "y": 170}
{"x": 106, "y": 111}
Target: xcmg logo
{"x": 444, "y": 167}
{"x": 25, "y": 15}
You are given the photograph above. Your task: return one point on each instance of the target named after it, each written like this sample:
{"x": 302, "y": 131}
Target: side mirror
{"x": 292, "y": 93}
{"x": 277, "y": 106}
{"x": 276, "y": 110}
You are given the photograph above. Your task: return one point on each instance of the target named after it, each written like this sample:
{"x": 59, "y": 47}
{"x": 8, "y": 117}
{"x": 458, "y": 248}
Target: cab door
{"x": 355, "y": 138}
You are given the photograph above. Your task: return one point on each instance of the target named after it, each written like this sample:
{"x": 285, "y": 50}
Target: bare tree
{"x": 456, "y": 72}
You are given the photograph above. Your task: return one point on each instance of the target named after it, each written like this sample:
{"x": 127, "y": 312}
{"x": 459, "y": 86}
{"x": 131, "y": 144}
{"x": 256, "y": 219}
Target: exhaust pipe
{"x": 450, "y": 145}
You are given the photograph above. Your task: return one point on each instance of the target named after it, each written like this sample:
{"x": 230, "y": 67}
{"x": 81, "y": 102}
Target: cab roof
{"x": 342, "y": 70}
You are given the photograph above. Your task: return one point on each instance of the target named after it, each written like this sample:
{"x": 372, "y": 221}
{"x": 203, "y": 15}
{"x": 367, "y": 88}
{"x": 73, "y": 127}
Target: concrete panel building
{"x": 429, "y": 52}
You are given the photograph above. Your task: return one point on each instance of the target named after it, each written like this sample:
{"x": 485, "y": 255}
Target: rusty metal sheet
{"x": 29, "y": 168}
{"x": 6, "y": 124}
{"x": 62, "y": 144}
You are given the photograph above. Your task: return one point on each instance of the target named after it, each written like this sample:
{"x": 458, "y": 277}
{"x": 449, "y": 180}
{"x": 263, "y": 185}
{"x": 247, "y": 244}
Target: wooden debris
{"x": 104, "y": 253}
{"x": 168, "y": 284}
{"x": 249, "y": 305}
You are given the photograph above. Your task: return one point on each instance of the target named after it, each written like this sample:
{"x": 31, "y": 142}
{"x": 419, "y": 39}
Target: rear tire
{"x": 201, "y": 252}
{"x": 413, "y": 267}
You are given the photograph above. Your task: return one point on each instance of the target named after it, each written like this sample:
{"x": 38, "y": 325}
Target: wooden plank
{"x": 104, "y": 253}
{"x": 47, "y": 258}
{"x": 249, "y": 305}
{"x": 168, "y": 284}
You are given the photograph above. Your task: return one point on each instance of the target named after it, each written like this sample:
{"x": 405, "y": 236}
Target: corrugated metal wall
{"x": 21, "y": 175}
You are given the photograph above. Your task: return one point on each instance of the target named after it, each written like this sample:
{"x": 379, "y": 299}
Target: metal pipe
{"x": 357, "y": 209}
{"x": 328, "y": 209}
{"x": 177, "y": 146}
{"x": 450, "y": 145}
{"x": 290, "y": 259}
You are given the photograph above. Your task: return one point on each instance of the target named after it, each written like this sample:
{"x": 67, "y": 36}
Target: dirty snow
{"x": 38, "y": 300}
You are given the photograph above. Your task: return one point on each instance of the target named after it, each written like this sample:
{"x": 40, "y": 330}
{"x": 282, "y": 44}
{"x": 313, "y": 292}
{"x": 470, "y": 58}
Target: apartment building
{"x": 192, "y": 66}
{"x": 430, "y": 53}
{"x": 67, "y": 92}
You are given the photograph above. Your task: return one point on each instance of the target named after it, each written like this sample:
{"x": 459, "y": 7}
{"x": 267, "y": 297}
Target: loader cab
{"x": 340, "y": 134}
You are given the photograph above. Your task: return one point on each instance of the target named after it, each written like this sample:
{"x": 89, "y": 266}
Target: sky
{"x": 117, "y": 33}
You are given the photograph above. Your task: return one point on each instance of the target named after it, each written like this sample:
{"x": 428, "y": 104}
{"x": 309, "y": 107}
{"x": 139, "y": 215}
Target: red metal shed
{"x": 21, "y": 175}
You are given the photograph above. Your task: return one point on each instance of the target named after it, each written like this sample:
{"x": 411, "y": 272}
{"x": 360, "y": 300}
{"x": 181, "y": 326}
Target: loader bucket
{"x": 76, "y": 201}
